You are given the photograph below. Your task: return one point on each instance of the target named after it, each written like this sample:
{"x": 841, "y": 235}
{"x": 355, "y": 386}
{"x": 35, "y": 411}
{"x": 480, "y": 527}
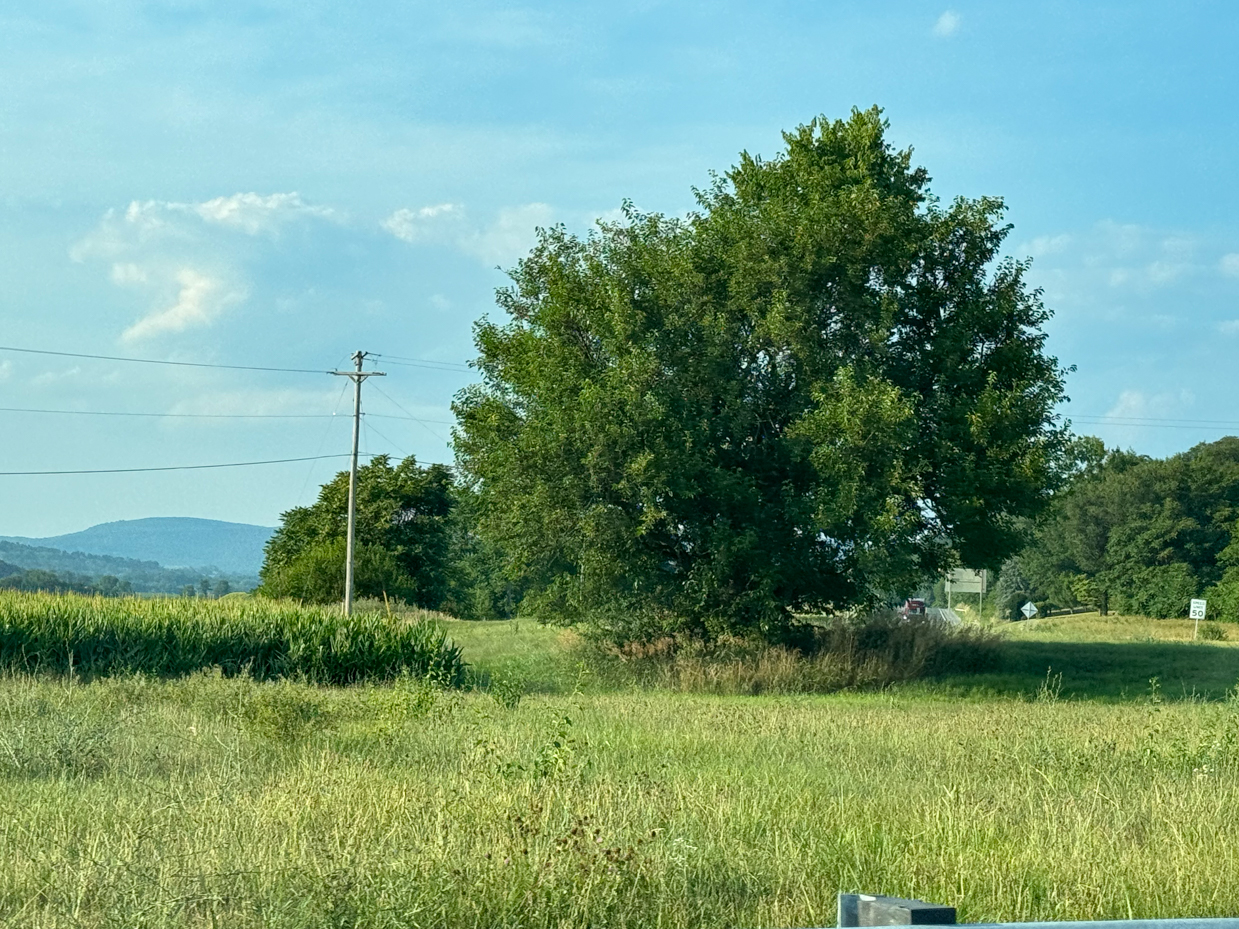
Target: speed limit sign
{"x": 1197, "y": 610}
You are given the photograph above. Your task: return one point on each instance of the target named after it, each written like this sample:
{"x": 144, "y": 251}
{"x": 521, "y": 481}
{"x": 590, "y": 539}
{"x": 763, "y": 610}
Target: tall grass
{"x": 91, "y": 636}
{"x": 867, "y": 652}
{"x": 209, "y": 801}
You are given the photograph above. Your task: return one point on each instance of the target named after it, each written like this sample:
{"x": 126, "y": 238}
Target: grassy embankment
{"x": 213, "y": 801}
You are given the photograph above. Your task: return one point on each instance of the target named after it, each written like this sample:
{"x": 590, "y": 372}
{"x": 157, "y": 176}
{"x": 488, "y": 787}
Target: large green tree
{"x": 816, "y": 390}
{"x": 1144, "y": 535}
{"x": 402, "y": 534}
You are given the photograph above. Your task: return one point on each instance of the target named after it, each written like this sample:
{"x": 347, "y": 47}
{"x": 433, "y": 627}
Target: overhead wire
{"x": 395, "y": 403}
{"x": 412, "y": 362}
{"x": 204, "y": 467}
{"x": 159, "y": 361}
{"x": 385, "y": 438}
{"x": 421, "y": 362}
{"x": 18, "y": 409}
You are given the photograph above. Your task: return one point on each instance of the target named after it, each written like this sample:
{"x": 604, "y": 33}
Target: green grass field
{"x": 205, "y": 800}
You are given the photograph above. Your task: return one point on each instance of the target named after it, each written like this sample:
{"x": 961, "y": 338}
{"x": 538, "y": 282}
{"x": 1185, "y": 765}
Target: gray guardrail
{"x": 878, "y": 910}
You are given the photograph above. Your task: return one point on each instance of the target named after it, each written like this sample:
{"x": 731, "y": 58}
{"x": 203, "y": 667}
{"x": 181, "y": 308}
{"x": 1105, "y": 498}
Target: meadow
{"x": 565, "y": 796}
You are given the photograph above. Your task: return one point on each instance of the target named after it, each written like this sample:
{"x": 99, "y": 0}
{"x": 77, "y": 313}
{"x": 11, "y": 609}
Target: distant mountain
{"x": 171, "y": 541}
{"x": 143, "y": 576}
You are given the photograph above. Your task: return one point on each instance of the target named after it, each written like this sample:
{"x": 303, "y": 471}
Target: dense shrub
{"x": 316, "y": 575}
{"x": 91, "y": 636}
{"x": 870, "y": 651}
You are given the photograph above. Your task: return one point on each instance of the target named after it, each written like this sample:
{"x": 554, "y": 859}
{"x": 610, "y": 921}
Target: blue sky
{"x": 282, "y": 183}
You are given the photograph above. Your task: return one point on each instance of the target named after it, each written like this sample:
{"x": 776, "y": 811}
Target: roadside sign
{"x": 1029, "y": 610}
{"x": 1197, "y": 610}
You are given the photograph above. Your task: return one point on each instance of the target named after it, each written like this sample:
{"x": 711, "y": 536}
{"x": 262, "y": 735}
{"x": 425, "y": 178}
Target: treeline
{"x": 84, "y": 570}
{"x": 1139, "y": 535}
{"x": 36, "y": 579}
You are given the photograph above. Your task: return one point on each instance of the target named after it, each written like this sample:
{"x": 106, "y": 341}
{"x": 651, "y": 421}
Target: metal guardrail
{"x": 876, "y": 910}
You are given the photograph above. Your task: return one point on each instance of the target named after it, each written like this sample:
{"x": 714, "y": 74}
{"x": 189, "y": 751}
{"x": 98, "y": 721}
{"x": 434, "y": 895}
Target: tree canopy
{"x": 402, "y": 536}
{"x": 815, "y": 391}
{"x": 1143, "y": 535}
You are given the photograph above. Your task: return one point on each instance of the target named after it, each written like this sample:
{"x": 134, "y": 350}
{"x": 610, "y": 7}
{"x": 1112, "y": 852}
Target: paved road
{"x": 950, "y": 617}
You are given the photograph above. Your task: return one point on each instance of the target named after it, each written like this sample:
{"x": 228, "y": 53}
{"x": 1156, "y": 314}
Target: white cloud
{"x": 1117, "y": 255}
{"x": 510, "y": 236}
{"x": 254, "y": 214}
{"x": 1229, "y": 265}
{"x": 6, "y": 370}
{"x": 51, "y": 377}
{"x": 1135, "y": 404}
{"x": 502, "y": 241}
{"x": 124, "y": 273}
{"x": 166, "y": 223}
{"x": 1229, "y": 327}
{"x": 199, "y": 301}
{"x": 442, "y": 223}
{"x": 1048, "y": 245}
{"x": 947, "y": 24}
{"x": 190, "y": 258}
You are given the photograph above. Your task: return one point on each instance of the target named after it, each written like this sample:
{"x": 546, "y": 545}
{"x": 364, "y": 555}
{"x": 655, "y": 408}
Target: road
{"x": 948, "y": 616}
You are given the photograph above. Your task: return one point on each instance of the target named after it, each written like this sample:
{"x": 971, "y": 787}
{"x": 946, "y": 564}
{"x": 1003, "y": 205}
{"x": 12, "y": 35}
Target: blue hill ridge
{"x": 172, "y": 541}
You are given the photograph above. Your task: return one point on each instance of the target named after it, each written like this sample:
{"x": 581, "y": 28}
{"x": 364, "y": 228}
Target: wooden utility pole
{"x": 356, "y": 377}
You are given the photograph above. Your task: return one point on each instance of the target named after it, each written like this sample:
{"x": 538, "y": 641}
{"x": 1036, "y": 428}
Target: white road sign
{"x": 1029, "y": 610}
{"x": 1198, "y": 610}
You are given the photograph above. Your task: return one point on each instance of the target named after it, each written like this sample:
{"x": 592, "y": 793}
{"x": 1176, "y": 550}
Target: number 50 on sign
{"x": 1197, "y": 610}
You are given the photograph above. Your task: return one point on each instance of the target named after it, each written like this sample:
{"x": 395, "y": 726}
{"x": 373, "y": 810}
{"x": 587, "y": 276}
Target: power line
{"x": 411, "y": 416}
{"x": 421, "y": 362}
{"x": 231, "y": 464}
{"x": 18, "y": 409}
{"x": 156, "y": 361}
{"x": 414, "y": 419}
{"x": 1218, "y": 428}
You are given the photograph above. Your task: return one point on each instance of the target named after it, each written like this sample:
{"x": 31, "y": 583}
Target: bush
{"x": 65, "y": 634}
{"x": 871, "y": 651}
{"x": 316, "y": 575}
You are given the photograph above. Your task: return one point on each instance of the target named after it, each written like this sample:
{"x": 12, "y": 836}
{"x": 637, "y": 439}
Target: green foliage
{"x": 37, "y": 579}
{"x": 868, "y": 652}
{"x": 816, "y": 390}
{"x": 85, "y": 573}
{"x": 480, "y": 586}
{"x": 402, "y": 534}
{"x": 71, "y": 634}
{"x": 1141, "y": 535}
{"x": 316, "y": 575}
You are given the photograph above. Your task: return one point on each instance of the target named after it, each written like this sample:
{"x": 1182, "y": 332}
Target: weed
{"x": 1212, "y": 632}
{"x": 1050, "y": 688}
{"x": 506, "y": 689}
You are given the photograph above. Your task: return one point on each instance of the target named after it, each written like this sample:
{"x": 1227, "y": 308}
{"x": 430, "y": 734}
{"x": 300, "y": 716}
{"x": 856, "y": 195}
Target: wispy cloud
{"x": 254, "y": 214}
{"x": 442, "y": 223}
{"x": 1229, "y": 265}
{"x": 1138, "y": 405}
{"x": 504, "y": 240}
{"x": 947, "y": 24}
{"x": 190, "y": 259}
{"x": 51, "y": 377}
{"x": 1114, "y": 256}
{"x": 199, "y": 301}
{"x": 1229, "y": 327}
{"x": 6, "y": 370}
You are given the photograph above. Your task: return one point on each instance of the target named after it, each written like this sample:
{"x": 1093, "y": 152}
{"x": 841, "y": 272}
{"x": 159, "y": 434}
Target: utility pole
{"x": 356, "y": 377}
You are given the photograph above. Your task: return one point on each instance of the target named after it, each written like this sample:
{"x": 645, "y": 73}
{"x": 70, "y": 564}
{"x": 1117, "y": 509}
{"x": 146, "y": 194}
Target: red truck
{"x": 912, "y": 607}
